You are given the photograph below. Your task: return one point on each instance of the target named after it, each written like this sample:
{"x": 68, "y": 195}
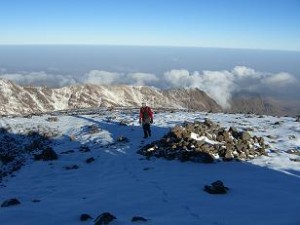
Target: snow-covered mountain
{"x": 16, "y": 99}
{"x": 97, "y": 170}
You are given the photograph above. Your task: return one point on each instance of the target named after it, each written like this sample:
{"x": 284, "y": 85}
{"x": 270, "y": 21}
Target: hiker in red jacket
{"x": 146, "y": 118}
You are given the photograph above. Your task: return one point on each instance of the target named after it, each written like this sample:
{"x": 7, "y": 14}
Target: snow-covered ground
{"x": 262, "y": 191}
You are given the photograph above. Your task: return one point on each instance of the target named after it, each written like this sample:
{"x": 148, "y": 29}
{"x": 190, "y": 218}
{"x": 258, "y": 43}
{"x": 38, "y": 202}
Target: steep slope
{"x": 16, "y": 99}
{"x": 249, "y": 103}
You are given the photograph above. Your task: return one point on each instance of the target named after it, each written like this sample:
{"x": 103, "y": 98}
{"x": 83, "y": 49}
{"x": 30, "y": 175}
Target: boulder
{"x": 10, "y": 202}
{"x": 104, "y": 219}
{"x": 138, "y": 219}
{"x": 85, "y": 217}
{"x": 216, "y": 187}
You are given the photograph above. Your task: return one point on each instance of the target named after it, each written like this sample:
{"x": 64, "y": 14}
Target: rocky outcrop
{"x": 16, "y": 148}
{"x": 205, "y": 142}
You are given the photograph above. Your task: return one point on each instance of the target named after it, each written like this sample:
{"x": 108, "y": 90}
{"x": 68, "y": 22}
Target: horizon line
{"x": 151, "y": 46}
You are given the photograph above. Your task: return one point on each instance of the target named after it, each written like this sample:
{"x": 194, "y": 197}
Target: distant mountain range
{"x": 256, "y": 104}
{"x": 15, "y": 99}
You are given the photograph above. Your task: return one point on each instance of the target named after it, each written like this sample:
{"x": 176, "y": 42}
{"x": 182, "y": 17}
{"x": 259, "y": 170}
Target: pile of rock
{"x": 205, "y": 142}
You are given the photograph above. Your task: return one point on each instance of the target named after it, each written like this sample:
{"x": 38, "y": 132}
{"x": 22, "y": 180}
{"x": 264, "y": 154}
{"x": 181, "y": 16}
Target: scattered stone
{"x": 272, "y": 137}
{"x": 84, "y": 148}
{"x": 93, "y": 129}
{"x": 72, "y": 137}
{"x": 73, "y": 167}
{"x": 293, "y": 152}
{"x": 295, "y": 160}
{"x": 52, "y": 119}
{"x": 89, "y": 160}
{"x": 104, "y": 219}
{"x": 147, "y": 168}
{"x": 138, "y": 219}
{"x": 28, "y": 116}
{"x": 10, "y": 202}
{"x": 85, "y": 217}
{"x": 216, "y": 187}
{"x": 46, "y": 155}
{"x": 292, "y": 137}
{"x": 246, "y": 136}
{"x": 122, "y": 139}
{"x": 68, "y": 152}
{"x": 124, "y": 123}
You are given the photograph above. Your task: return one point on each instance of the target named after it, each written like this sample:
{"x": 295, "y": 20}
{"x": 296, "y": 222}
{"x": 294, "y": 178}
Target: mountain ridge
{"x": 20, "y": 100}
{"x": 17, "y": 99}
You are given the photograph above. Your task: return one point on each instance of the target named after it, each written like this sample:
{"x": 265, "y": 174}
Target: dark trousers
{"x": 147, "y": 130}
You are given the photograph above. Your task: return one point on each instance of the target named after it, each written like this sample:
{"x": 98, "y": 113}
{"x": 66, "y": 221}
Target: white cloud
{"x": 101, "y": 77}
{"x": 40, "y": 79}
{"x": 279, "y": 79}
{"x": 141, "y": 79}
{"x": 219, "y": 85}
{"x": 110, "y": 78}
{"x": 176, "y": 78}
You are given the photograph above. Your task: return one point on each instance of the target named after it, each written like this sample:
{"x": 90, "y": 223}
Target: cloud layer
{"x": 220, "y": 85}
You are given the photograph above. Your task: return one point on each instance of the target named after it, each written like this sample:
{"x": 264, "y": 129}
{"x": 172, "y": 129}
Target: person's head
{"x": 143, "y": 104}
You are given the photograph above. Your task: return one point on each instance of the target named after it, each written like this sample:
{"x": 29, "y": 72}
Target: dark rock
{"x": 93, "y": 129}
{"x": 67, "y": 152}
{"x": 85, "y": 217}
{"x": 122, "y": 139}
{"x": 234, "y": 132}
{"x": 104, "y": 219}
{"x": 47, "y": 155}
{"x": 124, "y": 123}
{"x": 278, "y": 123}
{"x": 138, "y": 219}
{"x": 204, "y": 157}
{"x": 52, "y": 119}
{"x": 245, "y": 136}
{"x": 10, "y": 202}
{"x": 293, "y": 151}
{"x": 73, "y": 167}
{"x": 216, "y": 187}
{"x": 295, "y": 160}
{"x": 89, "y": 160}
{"x": 84, "y": 148}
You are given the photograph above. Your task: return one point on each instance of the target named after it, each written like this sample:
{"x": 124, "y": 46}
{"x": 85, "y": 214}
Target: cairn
{"x": 205, "y": 142}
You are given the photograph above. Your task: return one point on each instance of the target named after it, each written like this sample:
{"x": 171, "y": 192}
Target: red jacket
{"x": 146, "y": 115}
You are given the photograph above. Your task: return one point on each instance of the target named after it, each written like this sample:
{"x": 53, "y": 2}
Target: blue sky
{"x": 253, "y": 24}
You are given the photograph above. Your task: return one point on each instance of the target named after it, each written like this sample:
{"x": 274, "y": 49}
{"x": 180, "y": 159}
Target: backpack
{"x": 146, "y": 114}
